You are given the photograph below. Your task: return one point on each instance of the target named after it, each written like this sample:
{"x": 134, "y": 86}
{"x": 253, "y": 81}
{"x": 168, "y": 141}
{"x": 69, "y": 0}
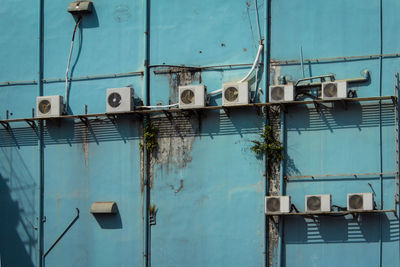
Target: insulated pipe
{"x": 146, "y": 162}
{"x": 260, "y": 48}
{"x": 41, "y": 144}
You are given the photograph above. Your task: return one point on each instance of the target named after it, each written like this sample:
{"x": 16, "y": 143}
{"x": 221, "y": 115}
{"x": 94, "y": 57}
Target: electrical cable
{"x": 69, "y": 61}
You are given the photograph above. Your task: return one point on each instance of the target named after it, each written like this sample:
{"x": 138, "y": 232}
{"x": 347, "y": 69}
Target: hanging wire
{"x": 69, "y": 62}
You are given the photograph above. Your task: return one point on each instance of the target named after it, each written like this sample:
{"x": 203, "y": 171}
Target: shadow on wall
{"x": 109, "y": 221}
{"x": 341, "y": 229}
{"x": 13, "y": 250}
{"x": 332, "y": 117}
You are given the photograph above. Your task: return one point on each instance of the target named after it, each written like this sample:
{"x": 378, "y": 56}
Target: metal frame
{"x": 168, "y": 112}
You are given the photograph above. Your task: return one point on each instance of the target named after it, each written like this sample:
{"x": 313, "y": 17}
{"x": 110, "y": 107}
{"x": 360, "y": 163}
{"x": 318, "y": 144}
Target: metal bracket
{"x": 5, "y": 124}
{"x": 227, "y": 112}
{"x": 258, "y": 110}
{"x": 394, "y": 100}
{"x": 112, "y": 118}
{"x": 63, "y": 233}
{"x": 31, "y": 123}
{"x": 317, "y": 106}
{"x": 168, "y": 114}
{"x": 84, "y": 120}
{"x": 283, "y": 107}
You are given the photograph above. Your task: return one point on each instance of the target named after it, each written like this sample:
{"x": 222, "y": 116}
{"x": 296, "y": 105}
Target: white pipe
{"x": 215, "y": 92}
{"x": 165, "y": 106}
{"x": 260, "y": 48}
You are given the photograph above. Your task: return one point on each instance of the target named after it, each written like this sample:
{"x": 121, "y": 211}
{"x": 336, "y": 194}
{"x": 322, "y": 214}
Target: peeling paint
{"x": 179, "y": 76}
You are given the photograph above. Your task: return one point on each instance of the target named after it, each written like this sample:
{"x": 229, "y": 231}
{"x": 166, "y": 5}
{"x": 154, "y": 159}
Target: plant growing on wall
{"x": 150, "y": 137}
{"x": 268, "y": 144}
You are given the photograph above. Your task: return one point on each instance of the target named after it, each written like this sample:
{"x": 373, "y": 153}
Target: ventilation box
{"x": 334, "y": 90}
{"x": 281, "y": 93}
{"x": 277, "y": 204}
{"x": 235, "y": 94}
{"x": 192, "y": 96}
{"x": 318, "y": 203}
{"x": 360, "y": 201}
{"x": 49, "y": 106}
{"x": 120, "y": 100}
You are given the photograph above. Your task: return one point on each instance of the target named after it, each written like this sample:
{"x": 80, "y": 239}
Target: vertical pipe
{"x": 41, "y": 150}
{"x": 380, "y": 128}
{"x": 146, "y": 157}
{"x": 302, "y": 63}
{"x": 281, "y": 188}
{"x": 267, "y": 37}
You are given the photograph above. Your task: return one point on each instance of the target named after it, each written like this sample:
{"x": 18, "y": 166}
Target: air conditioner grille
{"x": 187, "y": 96}
{"x": 278, "y": 93}
{"x": 44, "y": 106}
{"x": 114, "y": 100}
{"x": 330, "y": 90}
{"x": 273, "y": 204}
{"x": 314, "y": 203}
{"x": 231, "y": 94}
{"x": 356, "y": 202}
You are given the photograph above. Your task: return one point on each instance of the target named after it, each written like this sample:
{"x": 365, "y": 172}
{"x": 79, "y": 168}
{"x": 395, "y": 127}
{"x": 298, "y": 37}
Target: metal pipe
{"x": 333, "y": 59}
{"x": 281, "y": 189}
{"x": 380, "y": 130}
{"x": 362, "y": 79}
{"x": 146, "y": 161}
{"x": 321, "y": 77}
{"x": 41, "y": 141}
{"x": 302, "y": 61}
{"x": 266, "y": 66}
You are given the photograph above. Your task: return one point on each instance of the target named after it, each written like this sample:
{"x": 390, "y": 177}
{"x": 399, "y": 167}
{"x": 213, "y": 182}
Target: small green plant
{"x": 152, "y": 209}
{"x": 269, "y": 145}
{"x": 150, "y": 137}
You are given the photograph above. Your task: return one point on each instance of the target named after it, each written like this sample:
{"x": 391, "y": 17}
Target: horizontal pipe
{"x": 196, "y": 69}
{"x": 365, "y": 78}
{"x": 337, "y": 175}
{"x": 178, "y": 110}
{"x": 332, "y": 59}
{"x": 80, "y": 78}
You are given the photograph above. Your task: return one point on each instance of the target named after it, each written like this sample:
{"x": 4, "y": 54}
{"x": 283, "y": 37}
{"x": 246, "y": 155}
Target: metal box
{"x": 360, "y": 201}
{"x": 277, "y": 204}
{"x": 318, "y": 203}
{"x": 80, "y": 7}
{"x": 192, "y": 96}
{"x": 281, "y": 93}
{"x": 334, "y": 90}
{"x": 120, "y": 100}
{"x": 49, "y": 106}
{"x": 235, "y": 94}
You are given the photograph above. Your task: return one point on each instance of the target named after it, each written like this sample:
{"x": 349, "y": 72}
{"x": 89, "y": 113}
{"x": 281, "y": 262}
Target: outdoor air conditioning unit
{"x": 49, "y": 106}
{"x": 192, "y": 96}
{"x": 318, "y": 203}
{"x": 360, "y": 201}
{"x": 334, "y": 90}
{"x": 281, "y": 93}
{"x": 120, "y": 100}
{"x": 277, "y": 204}
{"x": 235, "y": 94}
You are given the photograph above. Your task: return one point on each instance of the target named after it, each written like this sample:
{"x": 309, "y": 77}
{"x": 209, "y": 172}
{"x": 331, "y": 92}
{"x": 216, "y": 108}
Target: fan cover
{"x": 330, "y": 90}
{"x": 356, "y": 202}
{"x": 273, "y": 204}
{"x": 114, "y": 100}
{"x": 314, "y": 203}
{"x": 278, "y": 93}
{"x": 187, "y": 97}
{"x": 44, "y": 106}
{"x": 231, "y": 94}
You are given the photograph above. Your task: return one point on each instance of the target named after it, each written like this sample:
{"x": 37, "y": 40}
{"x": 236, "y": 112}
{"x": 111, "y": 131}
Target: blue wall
{"x": 207, "y": 185}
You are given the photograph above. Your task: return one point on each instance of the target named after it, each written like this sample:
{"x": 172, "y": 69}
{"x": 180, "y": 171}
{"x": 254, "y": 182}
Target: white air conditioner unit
{"x": 49, "y": 106}
{"x": 318, "y": 203}
{"x": 277, "y": 204}
{"x": 281, "y": 93}
{"x": 334, "y": 90}
{"x": 235, "y": 94}
{"x": 120, "y": 100}
{"x": 360, "y": 201}
{"x": 192, "y": 96}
